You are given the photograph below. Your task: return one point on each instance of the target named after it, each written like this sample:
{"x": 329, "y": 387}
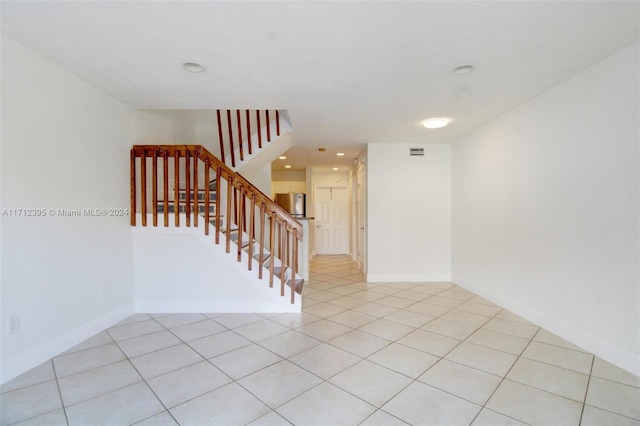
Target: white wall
{"x": 289, "y": 175}
{"x": 165, "y": 127}
{"x": 409, "y": 213}
{"x": 65, "y": 145}
{"x": 182, "y": 270}
{"x": 545, "y": 210}
{"x": 261, "y": 179}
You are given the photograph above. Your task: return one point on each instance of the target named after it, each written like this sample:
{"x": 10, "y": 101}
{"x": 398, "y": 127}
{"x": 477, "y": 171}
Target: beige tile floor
{"x": 359, "y": 354}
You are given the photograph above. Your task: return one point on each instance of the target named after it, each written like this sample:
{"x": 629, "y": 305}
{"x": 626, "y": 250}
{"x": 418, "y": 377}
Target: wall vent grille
{"x": 416, "y": 152}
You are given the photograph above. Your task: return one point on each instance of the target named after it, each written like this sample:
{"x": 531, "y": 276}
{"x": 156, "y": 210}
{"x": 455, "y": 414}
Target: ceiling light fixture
{"x": 287, "y": 166}
{"x": 436, "y": 123}
{"x": 282, "y": 157}
{"x": 335, "y": 168}
{"x": 463, "y": 69}
{"x": 192, "y": 67}
{"x": 340, "y": 154}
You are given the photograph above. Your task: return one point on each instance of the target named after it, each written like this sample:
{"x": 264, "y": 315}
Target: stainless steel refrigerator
{"x": 295, "y": 204}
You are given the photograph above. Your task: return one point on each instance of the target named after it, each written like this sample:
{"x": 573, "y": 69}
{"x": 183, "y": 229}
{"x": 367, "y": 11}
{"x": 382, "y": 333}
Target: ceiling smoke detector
{"x": 463, "y": 69}
{"x": 192, "y": 67}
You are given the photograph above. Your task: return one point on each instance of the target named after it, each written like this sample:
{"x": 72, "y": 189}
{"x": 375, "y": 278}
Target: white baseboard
{"x": 30, "y": 359}
{"x": 157, "y": 307}
{"x": 410, "y": 278}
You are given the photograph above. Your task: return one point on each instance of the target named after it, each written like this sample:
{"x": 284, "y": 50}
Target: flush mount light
{"x": 463, "y": 69}
{"x": 435, "y": 123}
{"x": 287, "y": 166}
{"x": 340, "y": 154}
{"x": 282, "y": 157}
{"x": 192, "y": 67}
{"x": 335, "y": 168}
{"x": 322, "y": 149}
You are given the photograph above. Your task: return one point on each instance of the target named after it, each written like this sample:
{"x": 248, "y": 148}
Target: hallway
{"x": 360, "y": 353}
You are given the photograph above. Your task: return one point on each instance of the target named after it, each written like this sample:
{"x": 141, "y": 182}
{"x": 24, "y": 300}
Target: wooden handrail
{"x": 248, "y": 200}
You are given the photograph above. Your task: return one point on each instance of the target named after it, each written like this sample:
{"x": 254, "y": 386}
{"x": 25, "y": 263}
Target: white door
{"x": 360, "y": 218}
{"x": 332, "y": 220}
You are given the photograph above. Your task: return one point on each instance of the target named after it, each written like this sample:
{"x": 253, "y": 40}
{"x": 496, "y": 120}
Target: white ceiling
{"x": 348, "y": 72}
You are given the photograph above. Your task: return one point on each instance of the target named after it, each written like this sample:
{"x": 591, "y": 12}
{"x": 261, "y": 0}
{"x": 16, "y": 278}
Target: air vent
{"x": 416, "y": 152}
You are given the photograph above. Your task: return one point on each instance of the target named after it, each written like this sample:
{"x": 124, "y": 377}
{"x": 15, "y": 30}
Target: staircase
{"x": 186, "y": 186}
{"x": 251, "y": 139}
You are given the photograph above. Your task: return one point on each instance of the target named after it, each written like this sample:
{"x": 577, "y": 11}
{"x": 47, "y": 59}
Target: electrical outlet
{"x": 14, "y": 324}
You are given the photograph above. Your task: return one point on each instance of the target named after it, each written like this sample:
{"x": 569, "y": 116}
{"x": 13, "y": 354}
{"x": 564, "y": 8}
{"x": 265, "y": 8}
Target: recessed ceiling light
{"x": 322, "y": 149}
{"x": 340, "y": 154}
{"x": 282, "y": 157}
{"x": 435, "y": 123}
{"x": 335, "y": 168}
{"x": 192, "y": 67}
{"x": 463, "y": 69}
{"x": 287, "y": 166}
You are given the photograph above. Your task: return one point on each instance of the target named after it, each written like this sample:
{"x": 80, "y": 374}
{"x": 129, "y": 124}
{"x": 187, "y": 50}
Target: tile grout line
{"x": 586, "y": 391}
{"x": 55, "y": 374}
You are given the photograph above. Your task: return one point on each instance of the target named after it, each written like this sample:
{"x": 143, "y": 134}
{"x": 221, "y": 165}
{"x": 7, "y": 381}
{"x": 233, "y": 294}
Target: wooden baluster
{"x": 252, "y": 229}
{"x": 287, "y": 254}
{"x": 262, "y": 220}
{"x": 294, "y": 262}
{"x": 220, "y": 136}
{"x": 187, "y": 178}
{"x": 241, "y": 215}
{"x": 277, "y": 123}
{"x": 133, "y": 188}
{"x": 283, "y": 258}
{"x": 248, "y": 131}
{"x": 238, "y": 119}
{"x": 207, "y": 178}
{"x": 235, "y": 206}
{"x": 196, "y": 190}
{"x": 231, "y": 149}
{"x": 259, "y": 129}
{"x": 154, "y": 185}
{"x": 218, "y": 189}
{"x": 165, "y": 186}
{"x": 176, "y": 187}
{"x": 244, "y": 213}
{"x": 268, "y": 128}
{"x": 272, "y": 234}
{"x": 229, "y": 189}
{"x": 143, "y": 189}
